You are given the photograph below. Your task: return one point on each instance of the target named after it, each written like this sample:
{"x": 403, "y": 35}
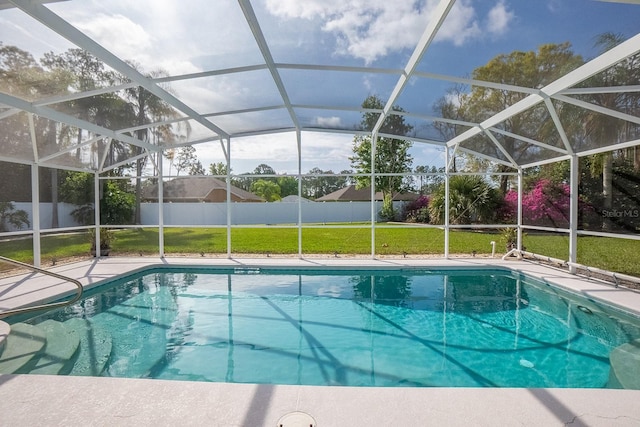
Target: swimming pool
{"x": 412, "y": 328}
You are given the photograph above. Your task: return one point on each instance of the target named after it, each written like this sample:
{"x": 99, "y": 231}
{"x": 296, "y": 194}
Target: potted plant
{"x": 106, "y": 237}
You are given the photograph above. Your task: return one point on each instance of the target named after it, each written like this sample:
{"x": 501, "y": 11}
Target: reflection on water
{"x": 369, "y": 328}
{"x": 460, "y": 292}
{"x": 380, "y": 289}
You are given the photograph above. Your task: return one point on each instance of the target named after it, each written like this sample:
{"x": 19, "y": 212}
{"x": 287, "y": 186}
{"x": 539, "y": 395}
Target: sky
{"x": 195, "y": 35}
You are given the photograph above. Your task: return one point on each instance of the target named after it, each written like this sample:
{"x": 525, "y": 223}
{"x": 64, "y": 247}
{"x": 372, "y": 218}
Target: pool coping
{"x": 30, "y": 399}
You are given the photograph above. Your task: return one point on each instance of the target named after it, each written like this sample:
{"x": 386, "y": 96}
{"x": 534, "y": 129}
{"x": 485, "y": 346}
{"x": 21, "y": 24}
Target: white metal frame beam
{"x": 598, "y": 109}
{"x": 435, "y": 22}
{"x": 254, "y": 25}
{"x": 42, "y": 14}
{"x": 503, "y": 150}
{"x": 596, "y": 65}
{"x": 529, "y": 140}
{"x": 70, "y": 120}
{"x": 478, "y": 83}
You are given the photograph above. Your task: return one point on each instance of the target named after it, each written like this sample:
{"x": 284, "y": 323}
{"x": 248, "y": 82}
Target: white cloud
{"x": 109, "y": 30}
{"x": 328, "y": 122}
{"x": 498, "y": 19}
{"x": 425, "y": 154}
{"x": 461, "y": 25}
{"x": 370, "y": 29}
{"x": 366, "y": 82}
{"x": 328, "y": 151}
{"x": 164, "y": 33}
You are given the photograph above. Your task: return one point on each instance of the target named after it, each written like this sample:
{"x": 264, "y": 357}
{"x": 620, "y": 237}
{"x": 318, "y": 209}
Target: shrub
{"x": 546, "y": 204}
{"x": 471, "y": 199}
{"x": 116, "y": 205}
{"x": 418, "y": 210}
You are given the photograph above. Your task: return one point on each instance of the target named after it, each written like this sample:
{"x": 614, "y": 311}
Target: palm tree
{"x": 86, "y": 73}
{"x": 471, "y": 198}
{"x": 150, "y": 109}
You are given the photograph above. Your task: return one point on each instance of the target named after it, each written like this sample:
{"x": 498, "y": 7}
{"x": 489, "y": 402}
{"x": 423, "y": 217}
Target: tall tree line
{"x": 77, "y": 71}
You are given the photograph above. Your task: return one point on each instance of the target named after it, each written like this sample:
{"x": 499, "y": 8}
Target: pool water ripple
{"x": 410, "y": 329}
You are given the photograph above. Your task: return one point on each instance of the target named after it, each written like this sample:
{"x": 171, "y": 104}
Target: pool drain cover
{"x": 296, "y": 419}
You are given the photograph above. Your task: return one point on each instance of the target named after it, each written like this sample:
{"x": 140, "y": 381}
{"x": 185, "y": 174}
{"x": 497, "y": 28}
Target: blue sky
{"x": 197, "y": 35}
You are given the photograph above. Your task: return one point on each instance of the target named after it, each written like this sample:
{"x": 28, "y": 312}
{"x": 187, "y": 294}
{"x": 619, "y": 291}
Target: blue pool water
{"x": 410, "y": 328}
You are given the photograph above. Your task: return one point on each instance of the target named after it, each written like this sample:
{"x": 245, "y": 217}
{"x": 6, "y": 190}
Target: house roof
{"x": 353, "y": 194}
{"x": 294, "y": 199}
{"x": 197, "y": 188}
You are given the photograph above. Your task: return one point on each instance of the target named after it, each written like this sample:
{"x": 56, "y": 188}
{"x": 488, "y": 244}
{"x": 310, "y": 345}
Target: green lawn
{"x": 619, "y": 255}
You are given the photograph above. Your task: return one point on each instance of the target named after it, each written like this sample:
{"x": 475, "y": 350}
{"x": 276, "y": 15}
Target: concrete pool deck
{"x": 61, "y": 400}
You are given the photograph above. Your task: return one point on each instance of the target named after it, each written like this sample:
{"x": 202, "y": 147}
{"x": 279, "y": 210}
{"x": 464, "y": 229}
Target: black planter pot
{"x": 103, "y": 252}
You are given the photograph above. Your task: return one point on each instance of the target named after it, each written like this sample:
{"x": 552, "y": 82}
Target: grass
{"x": 618, "y": 255}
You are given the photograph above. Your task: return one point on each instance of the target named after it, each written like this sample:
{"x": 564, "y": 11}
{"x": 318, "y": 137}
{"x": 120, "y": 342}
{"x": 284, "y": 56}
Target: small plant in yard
{"x": 509, "y": 237}
{"x": 106, "y": 237}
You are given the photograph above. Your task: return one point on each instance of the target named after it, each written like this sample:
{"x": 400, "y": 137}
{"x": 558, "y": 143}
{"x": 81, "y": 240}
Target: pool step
{"x": 140, "y": 328}
{"x": 5, "y": 328}
{"x": 22, "y": 348}
{"x": 74, "y": 347}
{"x": 83, "y": 347}
{"x": 95, "y": 347}
{"x": 625, "y": 366}
{"x": 57, "y": 357}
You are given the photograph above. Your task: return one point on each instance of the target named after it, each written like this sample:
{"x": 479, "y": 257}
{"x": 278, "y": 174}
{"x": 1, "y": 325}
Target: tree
{"x": 148, "y": 109}
{"x": 533, "y": 69}
{"x": 219, "y": 169}
{"x": 288, "y": 186}
{"x": 323, "y": 183}
{"x": 246, "y": 182}
{"x": 605, "y": 130}
{"x": 471, "y": 199}
{"x": 264, "y": 169}
{"x": 21, "y": 75}
{"x": 117, "y": 203}
{"x": 88, "y": 73}
{"x": 391, "y": 154}
{"x": 185, "y": 159}
{"x": 268, "y": 190}
{"x": 197, "y": 169}
{"x": 428, "y": 179}
{"x": 77, "y": 189}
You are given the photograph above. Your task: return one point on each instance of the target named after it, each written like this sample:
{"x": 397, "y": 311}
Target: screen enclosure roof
{"x": 208, "y": 71}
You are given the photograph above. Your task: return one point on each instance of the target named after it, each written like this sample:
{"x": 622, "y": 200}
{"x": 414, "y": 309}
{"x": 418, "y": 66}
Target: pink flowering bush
{"x": 418, "y": 210}
{"x": 546, "y": 204}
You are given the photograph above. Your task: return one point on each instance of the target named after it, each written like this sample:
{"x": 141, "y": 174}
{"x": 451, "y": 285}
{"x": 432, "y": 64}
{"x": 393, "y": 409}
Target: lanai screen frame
{"x": 557, "y": 90}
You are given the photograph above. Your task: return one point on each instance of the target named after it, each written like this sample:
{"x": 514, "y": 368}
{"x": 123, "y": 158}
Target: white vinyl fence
{"x": 203, "y": 214}
{"x": 258, "y": 213}
{"x": 46, "y": 215}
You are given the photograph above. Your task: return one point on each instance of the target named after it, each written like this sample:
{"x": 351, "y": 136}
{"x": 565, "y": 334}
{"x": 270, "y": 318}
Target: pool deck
{"x": 70, "y": 401}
